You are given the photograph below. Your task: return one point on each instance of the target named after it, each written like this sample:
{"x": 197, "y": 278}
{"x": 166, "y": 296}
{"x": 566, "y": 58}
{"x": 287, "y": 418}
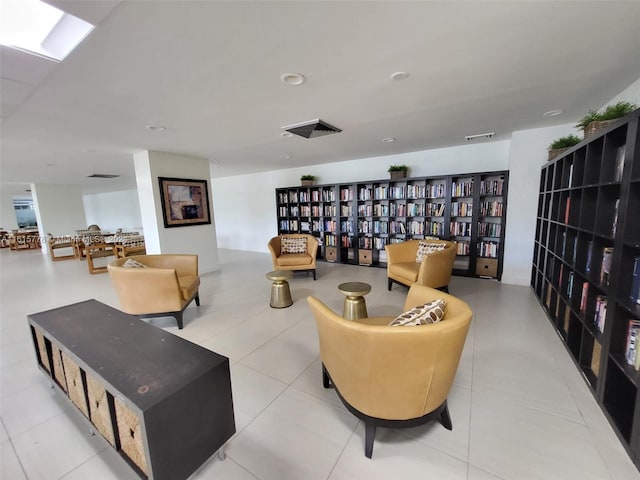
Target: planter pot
{"x": 398, "y": 174}
{"x": 306, "y": 183}
{"x": 595, "y": 127}
{"x": 555, "y": 152}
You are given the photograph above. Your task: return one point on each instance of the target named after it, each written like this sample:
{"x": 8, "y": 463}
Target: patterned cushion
{"x": 131, "y": 263}
{"x": 293, "y": 245}
{"x": 430, "y": 312}
{"x": 427, "y": 248}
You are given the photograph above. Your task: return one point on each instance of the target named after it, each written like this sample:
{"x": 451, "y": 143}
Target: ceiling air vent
{"x": 102, "y": 175}
{"x": 312, "y": 129}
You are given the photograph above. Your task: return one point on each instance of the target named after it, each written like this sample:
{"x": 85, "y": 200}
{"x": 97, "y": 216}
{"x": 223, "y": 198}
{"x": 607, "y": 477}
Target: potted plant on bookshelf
{"x": 307, "y": 180}
{"x": 561, "y": 144}
{"x": 595, "y": 121}
{"x": 398, "y": 171}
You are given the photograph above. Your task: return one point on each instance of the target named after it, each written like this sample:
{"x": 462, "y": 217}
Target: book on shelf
{"x": 567, "y": 316}
{"x": 587, "y": 266}
{"x": 605, "y": 268}
{"x": 614, "y": 224}
{"x": 575, "y": 250}
{"x": 570, "y": 177}
{"x": 631, "y": 349}
{"x": 596, "y": 353}
{"x": 567, "y": 209}
{"x": 583, "y": 298}
{"x": 619, "y": 163}
{"x": 600, "y": 314}
{"x": 570, "y": 285}
{"x": 634, "y": 295}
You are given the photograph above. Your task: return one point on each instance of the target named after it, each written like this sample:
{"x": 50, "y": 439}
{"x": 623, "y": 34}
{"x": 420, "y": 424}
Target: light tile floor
{"x": 520, "y": 409}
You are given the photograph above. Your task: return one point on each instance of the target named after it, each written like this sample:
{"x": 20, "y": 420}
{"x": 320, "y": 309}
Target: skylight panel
{"x": 40, "y": 29}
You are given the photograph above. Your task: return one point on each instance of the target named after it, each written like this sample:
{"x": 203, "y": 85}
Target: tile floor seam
{"x": 13, "y": 448}
{"x": 353, "y": 432}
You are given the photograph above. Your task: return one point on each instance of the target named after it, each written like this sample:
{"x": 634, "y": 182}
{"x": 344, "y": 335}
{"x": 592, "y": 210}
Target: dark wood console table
{"x": 162, "y": 402}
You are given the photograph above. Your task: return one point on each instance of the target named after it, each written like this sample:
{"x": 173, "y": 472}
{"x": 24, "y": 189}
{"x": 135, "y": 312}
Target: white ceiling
{"x": 210, "y": 71}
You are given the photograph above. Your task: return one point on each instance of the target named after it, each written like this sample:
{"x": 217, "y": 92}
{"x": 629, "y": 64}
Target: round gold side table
{"x": 354, "y": 304}
{"x": 280, "y": 293}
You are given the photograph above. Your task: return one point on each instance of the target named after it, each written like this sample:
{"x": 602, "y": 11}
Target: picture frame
{"x": 185, "y": 202}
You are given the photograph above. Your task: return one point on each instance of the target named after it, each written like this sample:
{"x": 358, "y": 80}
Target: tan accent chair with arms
{"x": 294, "y": 261}
{"x": 394, "y": 377}
{"x": 434, "y": 271}
{"x": 165, "y": 287}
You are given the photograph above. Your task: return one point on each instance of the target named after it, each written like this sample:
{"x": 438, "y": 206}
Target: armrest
{"x": 312, "y": 246}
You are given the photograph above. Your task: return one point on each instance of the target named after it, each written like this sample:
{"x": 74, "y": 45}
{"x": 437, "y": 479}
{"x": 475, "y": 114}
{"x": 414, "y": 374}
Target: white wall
{"x": 114, "y": 210}
{"x": 59, "y": 209}
{"x": 527, "y": 155}
{"x": 198, "y": 239}
{"x": 629, "y": 94}
{"x": 245, "y": 205}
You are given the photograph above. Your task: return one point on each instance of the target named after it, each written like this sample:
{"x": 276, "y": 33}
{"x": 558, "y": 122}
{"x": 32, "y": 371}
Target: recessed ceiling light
{"x": 389, "y": 140}
{"x": 292, "y": 79}
{"x": 400, "y": 76}
{"x": 286, "y": 134}
{"x": 553, "y": 113}
{"x": 285, "y": 156}
{"x": 156, "y": 128}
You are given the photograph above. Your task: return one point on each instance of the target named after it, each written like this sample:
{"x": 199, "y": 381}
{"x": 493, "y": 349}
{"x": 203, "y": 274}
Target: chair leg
{"x": 314, "y": 274}
{"x": 178, "y": 317}
{"x": 326, "y": 381}
{"x": 445, "y": 418}
{"x": 197, "y": 298}
{"x": 370, "y": 435}
{"x": 389, "y": 283}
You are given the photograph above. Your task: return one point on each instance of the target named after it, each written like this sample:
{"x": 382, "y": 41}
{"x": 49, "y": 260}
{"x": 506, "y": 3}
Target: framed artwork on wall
{"x": 185, "y": 202}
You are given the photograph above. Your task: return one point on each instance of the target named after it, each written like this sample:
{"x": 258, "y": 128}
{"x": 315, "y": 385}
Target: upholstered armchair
{"x": 393, "y": 376}
{"x": 433, "y": 271}
{"x": 161, "y": 285}
{"x": 295, "y": 252}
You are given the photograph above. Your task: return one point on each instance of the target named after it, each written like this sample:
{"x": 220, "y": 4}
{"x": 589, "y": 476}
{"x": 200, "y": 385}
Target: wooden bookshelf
{"x": 587, "y": 240}
{"x": 354, "y": 221}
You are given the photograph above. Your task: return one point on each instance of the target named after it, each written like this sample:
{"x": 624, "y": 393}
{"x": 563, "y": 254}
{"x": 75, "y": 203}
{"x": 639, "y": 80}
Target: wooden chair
{"x": 99, "y": 250}
{"x": 130, "y": 245}
{"x": 58, "y": 243}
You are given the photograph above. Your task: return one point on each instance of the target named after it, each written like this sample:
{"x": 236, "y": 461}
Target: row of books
{"x": 488, "y": 249}
{"x": 462, "y": 188}
{"x": 461, "y": 209}
{"x": 631, "y": 352}
{"x": 487, "y": 229}
{"x": 462, "y": 248}
{"x": 462, "y": 229}
{"x": 491, "y": 209}
{"x": 492, "y": 187}
{"x": 600, "y": 314}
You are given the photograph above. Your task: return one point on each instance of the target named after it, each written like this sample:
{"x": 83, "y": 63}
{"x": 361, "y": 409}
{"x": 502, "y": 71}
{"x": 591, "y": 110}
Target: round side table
{"x": 280, "y": 293}
{"x": 354, "y": 304}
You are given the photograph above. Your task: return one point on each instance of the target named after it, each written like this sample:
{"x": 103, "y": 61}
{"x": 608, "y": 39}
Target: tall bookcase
{"x": 587, "y": 240}
{"x": 354, "y": 221}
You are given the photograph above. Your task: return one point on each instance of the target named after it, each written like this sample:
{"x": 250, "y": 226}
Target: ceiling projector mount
{"x": 311, "y": 128}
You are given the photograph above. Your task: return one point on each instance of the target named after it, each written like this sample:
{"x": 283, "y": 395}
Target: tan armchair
{"x": 393, "y": 376}
{"x": 434, "y": 271}
{"x": 165, "y": 287}
{"x": 294, "y": 261}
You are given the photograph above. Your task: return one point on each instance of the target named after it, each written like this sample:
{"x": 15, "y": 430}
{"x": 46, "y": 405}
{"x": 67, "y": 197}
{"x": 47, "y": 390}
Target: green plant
{"x": 308, "y": 177}
{"x": 565, "y": 142}
{"x": 397, "y": 168}
{"x": 614, "y": 111}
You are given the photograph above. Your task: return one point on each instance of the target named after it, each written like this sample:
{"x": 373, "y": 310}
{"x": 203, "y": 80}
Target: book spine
{"x": 635, "y": 282}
